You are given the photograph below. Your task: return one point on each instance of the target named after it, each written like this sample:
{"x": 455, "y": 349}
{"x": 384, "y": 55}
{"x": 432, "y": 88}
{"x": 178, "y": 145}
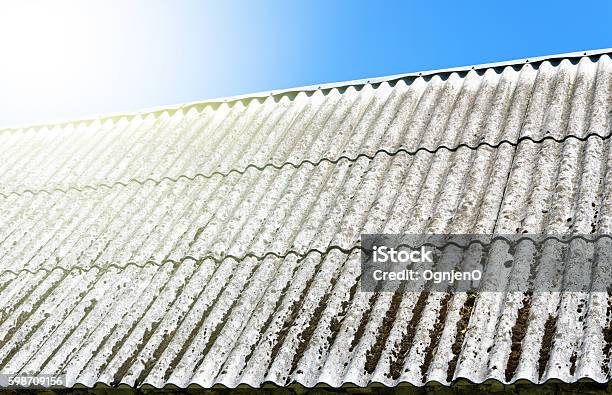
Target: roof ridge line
{"x": 309, "y": 88}
{"x": 280, "y": 166}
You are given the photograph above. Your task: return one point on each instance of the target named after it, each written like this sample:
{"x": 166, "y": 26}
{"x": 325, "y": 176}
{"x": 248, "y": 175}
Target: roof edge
{"x": 307, "y": 88}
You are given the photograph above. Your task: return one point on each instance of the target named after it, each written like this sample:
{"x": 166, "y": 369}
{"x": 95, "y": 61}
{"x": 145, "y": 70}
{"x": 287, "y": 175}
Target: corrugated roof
{"x": 217, "y": 243}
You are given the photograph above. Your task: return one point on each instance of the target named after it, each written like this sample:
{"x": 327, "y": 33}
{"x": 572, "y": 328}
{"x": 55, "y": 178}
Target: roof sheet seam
{"x": 378, "y": 152}
{"x": 509, "y": 174}
{"x": 300, "y": 255}
{"x": 564, "y": 239}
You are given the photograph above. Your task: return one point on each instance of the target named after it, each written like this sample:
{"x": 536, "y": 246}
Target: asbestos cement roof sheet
{"x": 217, "y": 243}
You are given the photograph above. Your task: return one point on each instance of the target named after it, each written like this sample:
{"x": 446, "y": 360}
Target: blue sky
{"x": 69, "y": 59}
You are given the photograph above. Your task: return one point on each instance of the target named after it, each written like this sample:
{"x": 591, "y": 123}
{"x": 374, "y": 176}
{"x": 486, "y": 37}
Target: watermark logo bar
{"x": 486, "y": 263}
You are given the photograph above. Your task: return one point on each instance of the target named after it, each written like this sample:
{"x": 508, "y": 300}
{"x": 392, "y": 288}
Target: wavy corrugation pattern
{"x": 218, "y": 244}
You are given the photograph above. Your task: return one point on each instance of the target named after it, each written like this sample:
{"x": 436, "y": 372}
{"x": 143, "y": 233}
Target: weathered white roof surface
{"x": 217, "y": 243}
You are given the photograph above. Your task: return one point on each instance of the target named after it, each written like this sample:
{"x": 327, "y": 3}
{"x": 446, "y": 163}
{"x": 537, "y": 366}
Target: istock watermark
{"x": 382, "y": 254}
{"x": 486, "y": 263}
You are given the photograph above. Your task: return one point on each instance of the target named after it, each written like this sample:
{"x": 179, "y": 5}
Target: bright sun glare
{"x": 53, "y": 52}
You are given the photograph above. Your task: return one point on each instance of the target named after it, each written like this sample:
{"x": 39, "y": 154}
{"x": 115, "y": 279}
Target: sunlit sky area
{"x": 71, "y": 59}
